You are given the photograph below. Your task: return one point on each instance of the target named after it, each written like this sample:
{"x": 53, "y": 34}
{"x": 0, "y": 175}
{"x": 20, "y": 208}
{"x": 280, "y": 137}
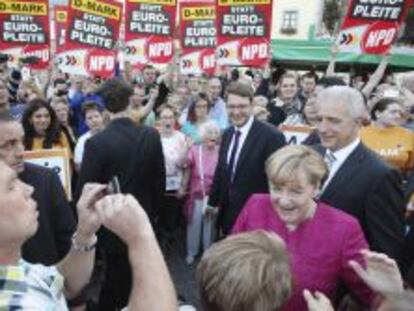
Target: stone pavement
{"x": 183, "y": 275}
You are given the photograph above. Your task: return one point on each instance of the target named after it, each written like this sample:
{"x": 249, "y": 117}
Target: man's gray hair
{"x": 354, "y": 99}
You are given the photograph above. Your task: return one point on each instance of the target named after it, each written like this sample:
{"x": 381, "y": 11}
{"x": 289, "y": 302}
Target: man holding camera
{"x": 25, "y": 286}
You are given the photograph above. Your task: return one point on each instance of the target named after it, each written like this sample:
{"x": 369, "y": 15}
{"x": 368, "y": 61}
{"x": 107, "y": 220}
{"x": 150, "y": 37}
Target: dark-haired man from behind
{"x": 56, "y": 220}
{"x": 133, "y": 154}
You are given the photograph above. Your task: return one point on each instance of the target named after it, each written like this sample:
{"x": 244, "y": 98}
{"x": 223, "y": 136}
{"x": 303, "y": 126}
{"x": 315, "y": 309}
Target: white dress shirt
{"x": 340, "y": 157}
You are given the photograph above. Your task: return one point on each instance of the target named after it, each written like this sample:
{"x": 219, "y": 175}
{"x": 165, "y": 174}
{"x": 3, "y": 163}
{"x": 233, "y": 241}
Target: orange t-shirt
{"x": 395, "y": 145}
{"x": 63, "y": 143}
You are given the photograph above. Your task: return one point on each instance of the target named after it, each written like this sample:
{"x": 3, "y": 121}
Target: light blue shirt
{"x": 219, "y": 114}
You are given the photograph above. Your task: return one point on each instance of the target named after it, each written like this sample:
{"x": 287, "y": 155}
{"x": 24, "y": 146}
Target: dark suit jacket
{"x": 133, "y": 154}
{"x": 261, "y": 141}
{"x": 369, "y": 189}
{"x": 52, "y": 241}
{"x": 408, "y": 258}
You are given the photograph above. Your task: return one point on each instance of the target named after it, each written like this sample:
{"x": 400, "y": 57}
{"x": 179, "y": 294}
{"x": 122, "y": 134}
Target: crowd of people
{"x": 273, "y": 223}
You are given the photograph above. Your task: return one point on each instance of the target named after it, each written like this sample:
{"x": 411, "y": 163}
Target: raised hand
{"x": 89, "y": 221}
{"x": 317, "y": 301}
{"x": 334, "y": 49}
{"x": 124, "y": 216}
{"x": 381, "y": 273}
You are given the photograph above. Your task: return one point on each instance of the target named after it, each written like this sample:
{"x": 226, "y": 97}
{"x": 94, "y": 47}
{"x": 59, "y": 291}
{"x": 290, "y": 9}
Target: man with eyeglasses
{"x": 244, "y": 149}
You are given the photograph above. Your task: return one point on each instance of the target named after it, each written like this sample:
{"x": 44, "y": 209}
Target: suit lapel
{"x": 346, "y": 171}
{"x": 224, "y": 150}
{"x": 247, "y": 145}
{"x": 226, "y": 142}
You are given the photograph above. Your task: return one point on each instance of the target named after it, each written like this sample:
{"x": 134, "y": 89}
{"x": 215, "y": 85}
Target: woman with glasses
{"x": 197, "y": 115}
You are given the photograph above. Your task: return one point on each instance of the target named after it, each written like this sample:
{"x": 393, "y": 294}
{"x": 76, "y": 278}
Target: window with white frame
{"x": 289, "y": 22}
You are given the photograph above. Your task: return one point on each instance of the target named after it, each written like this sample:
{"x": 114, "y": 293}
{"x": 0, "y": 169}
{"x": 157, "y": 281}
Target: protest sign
{"x": 243, "y": 32}
{"x": 295, "y": 134}
{"x": 24, "y": 27}
{"x": 149, "y": 26}
{"x": 372, "y": 26}
{"x": 60, "y": 18}
{"x": 92, "y": 31}
{"x": 55, "y": 159}
{"x": 198, "y": 36}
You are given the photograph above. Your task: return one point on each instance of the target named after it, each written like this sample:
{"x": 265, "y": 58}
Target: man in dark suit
{"x": 243, "y": 151}
{"x": 359, "y": 182}
{"x": 52, "y": 240}
{"x": 134, "y": 155}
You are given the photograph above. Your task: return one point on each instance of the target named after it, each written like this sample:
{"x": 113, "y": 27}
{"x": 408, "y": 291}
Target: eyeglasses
{"x": 238, "y": 107}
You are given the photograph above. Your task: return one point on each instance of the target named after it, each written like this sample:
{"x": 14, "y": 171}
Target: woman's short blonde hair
{"x": 245, "y": 272}
{"x": 283, "y": 166}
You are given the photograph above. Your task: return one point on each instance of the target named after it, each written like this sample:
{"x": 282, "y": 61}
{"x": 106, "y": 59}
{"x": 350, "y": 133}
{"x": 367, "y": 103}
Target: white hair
{"x": 353, "y": 98}
{"x": 208, "y": 128}
{"x": 215, "y": 79}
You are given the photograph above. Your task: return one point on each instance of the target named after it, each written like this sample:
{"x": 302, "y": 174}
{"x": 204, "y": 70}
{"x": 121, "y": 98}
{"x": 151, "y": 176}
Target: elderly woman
{"x": 320, "y": 239}
{"x": 198, "y": 177}
{"x": 41, "y": 127}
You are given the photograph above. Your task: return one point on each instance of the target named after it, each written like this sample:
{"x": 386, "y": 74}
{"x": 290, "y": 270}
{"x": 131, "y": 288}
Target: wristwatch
{"x": 83, "y": 248}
